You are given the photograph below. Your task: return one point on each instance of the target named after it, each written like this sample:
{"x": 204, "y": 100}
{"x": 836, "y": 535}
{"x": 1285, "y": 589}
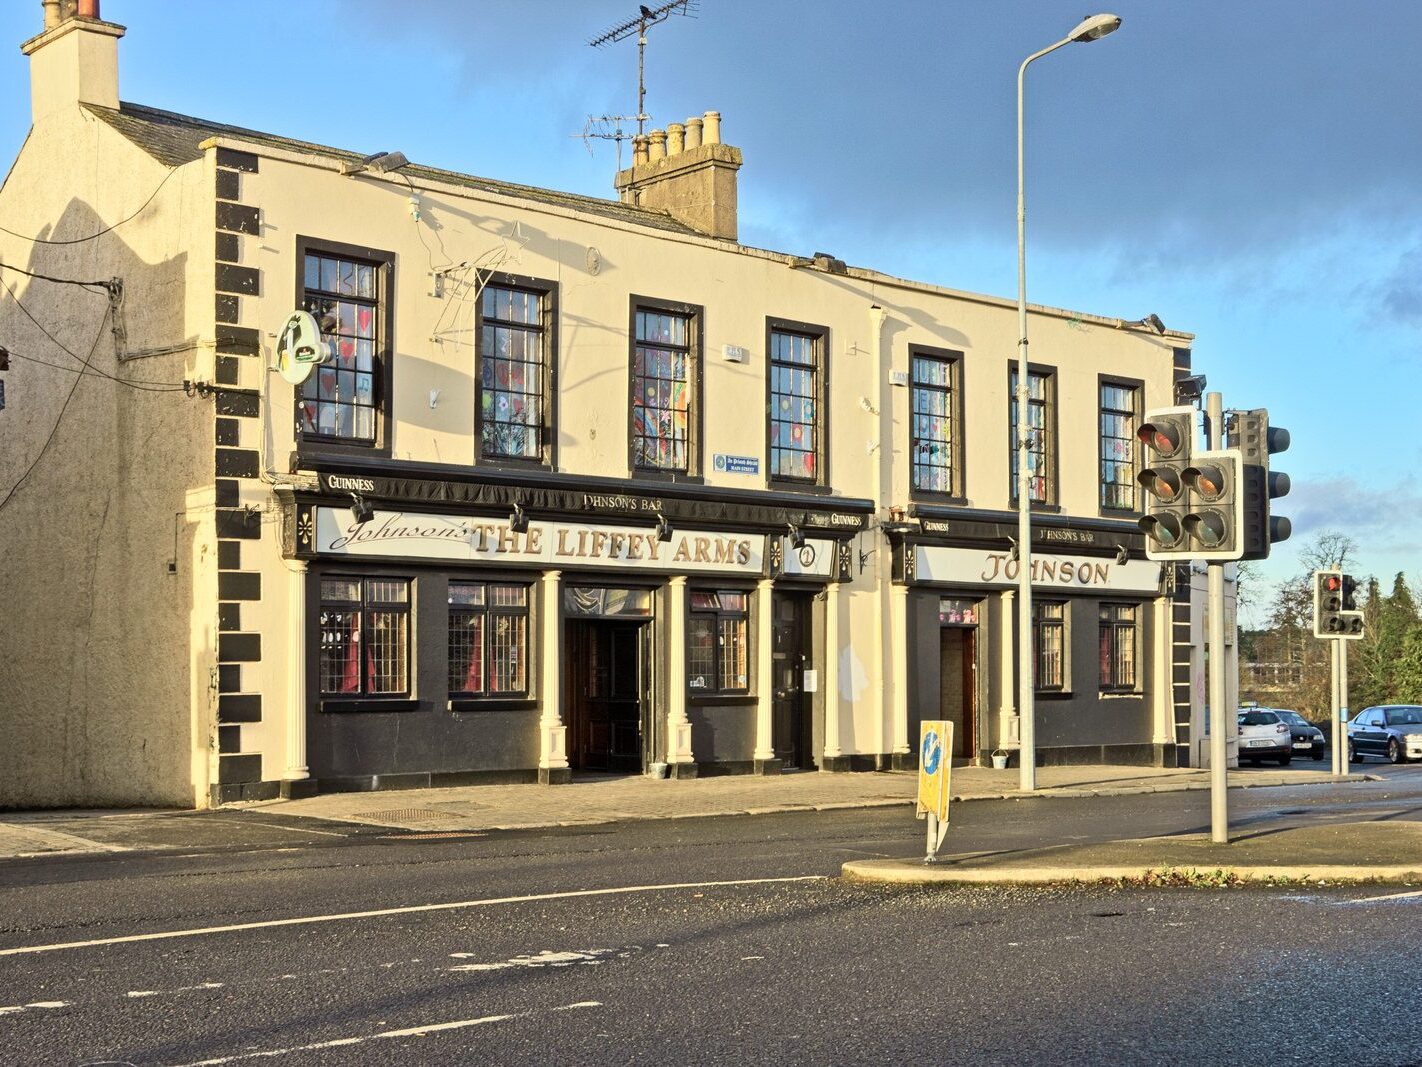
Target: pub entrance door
{"x": 605, "y": 666}
{"x": 791, "y": 727}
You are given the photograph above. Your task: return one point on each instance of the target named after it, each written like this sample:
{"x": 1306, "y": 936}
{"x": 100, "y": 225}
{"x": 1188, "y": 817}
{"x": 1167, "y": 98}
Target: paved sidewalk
{"x": 598, "y": 799}
{"x": 588, "y": 800}
{"x": 1386, "y": 850}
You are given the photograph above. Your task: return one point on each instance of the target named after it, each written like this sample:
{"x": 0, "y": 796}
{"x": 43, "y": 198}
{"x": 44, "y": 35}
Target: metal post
{"x": 1335, "y": 707}
{"x": 1219, "y": 746}
{"x": 1343, "y": 693}
{"x": 932, "y": 821}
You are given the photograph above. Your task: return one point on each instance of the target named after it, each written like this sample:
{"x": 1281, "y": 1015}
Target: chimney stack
{"x": 74, "y": 60}
{"x": 687, "y": 172}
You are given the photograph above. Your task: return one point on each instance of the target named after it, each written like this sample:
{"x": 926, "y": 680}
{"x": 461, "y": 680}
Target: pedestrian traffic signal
{"x": 1250, "y": 432}
{"x": 1335, "y": 606}
{"x": 1169, "y": 438}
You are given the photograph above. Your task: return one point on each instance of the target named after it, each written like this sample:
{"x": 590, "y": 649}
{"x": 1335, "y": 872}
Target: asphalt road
{"x": 607, "y": 953}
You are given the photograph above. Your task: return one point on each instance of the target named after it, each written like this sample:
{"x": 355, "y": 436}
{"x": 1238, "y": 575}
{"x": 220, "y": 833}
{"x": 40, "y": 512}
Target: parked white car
{"x": 1264, "y": 735}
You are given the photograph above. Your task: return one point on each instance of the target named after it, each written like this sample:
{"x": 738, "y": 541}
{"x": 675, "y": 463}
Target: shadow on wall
{"x": 96, "y": 674}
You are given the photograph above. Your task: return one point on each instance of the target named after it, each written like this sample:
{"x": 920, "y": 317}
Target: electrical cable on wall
{"x": 95, "y": 287}
{"x": 103, "y": 322}
{"x": 97, "y": 372}
{"x": 106, "y": 229}
{"x": 149, "y": 386}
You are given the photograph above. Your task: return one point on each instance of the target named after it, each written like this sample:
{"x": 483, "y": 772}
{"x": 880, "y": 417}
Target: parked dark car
{"x": 1307, "y": 739}
{"x": 1392, "y": 731}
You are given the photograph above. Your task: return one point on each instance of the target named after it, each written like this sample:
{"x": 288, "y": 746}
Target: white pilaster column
{"x": 1162, "y": 691}
{"x": 765, "y": 673}
{"x": 1009, "y": 733}
{"x": 678, "y": 722}
{"x": 831, "y": 672}
{"x": 296, "y": 769}
{"x": 898, "y": 649}
{"x": 552, "y": 734}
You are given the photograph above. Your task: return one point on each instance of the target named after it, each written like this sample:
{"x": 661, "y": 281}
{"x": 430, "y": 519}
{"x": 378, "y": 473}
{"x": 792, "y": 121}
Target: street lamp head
{"x": 1094, "y": 27}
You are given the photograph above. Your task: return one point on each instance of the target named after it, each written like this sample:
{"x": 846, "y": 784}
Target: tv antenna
{"x": 645, "y": 20}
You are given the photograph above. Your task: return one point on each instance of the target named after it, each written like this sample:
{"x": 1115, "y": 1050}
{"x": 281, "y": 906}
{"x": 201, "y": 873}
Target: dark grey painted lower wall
{"x": 722, "y": 733}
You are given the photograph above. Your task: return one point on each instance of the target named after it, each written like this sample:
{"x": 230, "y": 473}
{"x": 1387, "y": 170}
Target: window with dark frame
{"x": 663, "y": 387}
{"x": 796, "y": 367}
{"x": 1118, "y": 648}
{"x": 513, "y": 373}
{"x": 1049, "y": 640}
{"x": 341, "y": 399}
{"x": 1041, "y": 445}
{"x": 488, "y": 639}
{"x": 1119, "y": 447}
{"x": 718, "y": 653}
{"x": 934, "y": 426}
{"x": 364, "y": 647}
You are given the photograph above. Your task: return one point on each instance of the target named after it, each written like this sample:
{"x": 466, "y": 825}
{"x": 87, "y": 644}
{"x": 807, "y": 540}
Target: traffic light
{"x": 1212, "y": 518}
{"x": 1335, "y": 606}
{"x": 1169, "y": 438}
{"x": 1250, "y": 432}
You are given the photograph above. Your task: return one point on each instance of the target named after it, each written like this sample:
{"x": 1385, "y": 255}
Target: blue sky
{"x": 1247, "y": 171}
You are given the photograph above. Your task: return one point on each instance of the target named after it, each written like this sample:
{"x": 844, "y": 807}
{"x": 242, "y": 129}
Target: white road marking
{"x": 413, "y": 909}
{"x": 545, "y": 958}
{"x": 412, "y": 1031}
{"x": 1385, "y": 896}
{"x": 12, "y": 1009}
{"x": 278, "y": 826}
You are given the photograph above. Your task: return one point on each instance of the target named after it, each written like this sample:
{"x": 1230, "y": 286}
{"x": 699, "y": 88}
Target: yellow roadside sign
{"x": 935, "y": 750}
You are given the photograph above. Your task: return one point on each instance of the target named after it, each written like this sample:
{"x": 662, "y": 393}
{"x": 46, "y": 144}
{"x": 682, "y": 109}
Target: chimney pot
{"x": 639, "y": 150}
{"x": 676, "y": 138}
{"x": 693, "y": 134}
{"x": 659, "y": 146}
{"x": 51, "y": 14}
{"x": 711, "y": 130}
{"x": 89, "y": 9}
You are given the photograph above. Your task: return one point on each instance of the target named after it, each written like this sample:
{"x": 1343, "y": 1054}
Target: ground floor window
{"x": 1049, "y": 639}
{"x": 365, "y": 636}
{"x": 1118, "y": 648}
{"x": 718, "y": 656}
{"x": 488, "y": 639}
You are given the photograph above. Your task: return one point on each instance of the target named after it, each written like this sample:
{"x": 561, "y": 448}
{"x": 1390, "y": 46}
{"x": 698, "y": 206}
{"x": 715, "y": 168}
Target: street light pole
{"x": 1091, "y": 28}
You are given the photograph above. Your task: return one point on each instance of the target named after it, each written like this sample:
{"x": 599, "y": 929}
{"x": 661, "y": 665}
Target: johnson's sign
{"x": 971, "y": 566}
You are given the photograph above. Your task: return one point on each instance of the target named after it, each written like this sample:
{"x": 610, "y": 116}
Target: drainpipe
{"x": 883, "y": 568}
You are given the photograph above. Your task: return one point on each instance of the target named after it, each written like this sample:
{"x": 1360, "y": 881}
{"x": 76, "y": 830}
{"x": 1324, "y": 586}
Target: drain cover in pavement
{"x": 403, "y": 815}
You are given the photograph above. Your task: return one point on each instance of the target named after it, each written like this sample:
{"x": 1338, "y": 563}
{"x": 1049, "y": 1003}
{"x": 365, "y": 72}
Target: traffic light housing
{"x": 1250, "y": 433}
{"x": 1192, "y": 498}
{"x": 1335, "y": 606}
{"x": 1169, "y": 437}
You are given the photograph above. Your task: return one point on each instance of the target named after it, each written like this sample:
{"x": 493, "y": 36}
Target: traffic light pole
{"x": 1343, "y": 696}
{"x": 1340, "y": 746}
{"x": 1219, "y": 744}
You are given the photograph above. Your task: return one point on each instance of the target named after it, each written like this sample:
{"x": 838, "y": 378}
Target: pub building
{"x": 487, "y": 630}
{"x": 554, "y": 484}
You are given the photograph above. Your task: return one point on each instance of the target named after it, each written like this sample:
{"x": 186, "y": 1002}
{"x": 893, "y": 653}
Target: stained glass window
{"x": 933, "y": 424}
{"x": 1119, "y": 447}
{"x": 662, "y": 381}
{"x": 341, "y": 397}
{"x": 796, "y": 363}
{"x": 512, "y": 369}
{"x": 488, "y": 639}
{"x": 1041, "y": 428}
{"x": 1118, "y": 648}
{"x": 364, "y": 644}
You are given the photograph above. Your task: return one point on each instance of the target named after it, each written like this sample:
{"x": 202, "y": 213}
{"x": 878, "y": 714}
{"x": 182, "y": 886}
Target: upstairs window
{"x": 1042, "y": 433}
{"x": 935, "y": 423}
{"x": 514, "y": 373}
{"x": 796, "y": 423}
{"x": 1119, "y": 447}
{"x": 341, "y": 401}
{"x": 664, "y": 376}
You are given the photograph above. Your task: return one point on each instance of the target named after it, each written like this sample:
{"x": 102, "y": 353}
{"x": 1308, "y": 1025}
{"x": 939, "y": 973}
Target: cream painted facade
{"x": 167, "y": 546}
